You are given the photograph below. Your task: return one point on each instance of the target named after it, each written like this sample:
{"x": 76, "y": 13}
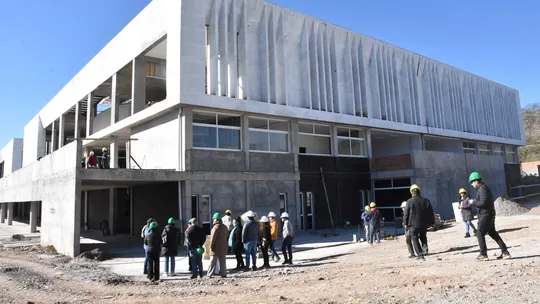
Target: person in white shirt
{"x": 288, "y": 237}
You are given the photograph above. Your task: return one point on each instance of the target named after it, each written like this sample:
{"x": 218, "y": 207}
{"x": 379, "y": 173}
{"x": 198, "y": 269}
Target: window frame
{"x": 318, "y": 135}
{"x": 512, "y": 152}
{"x": 268, "y": 132}
{"x": 482, "y": 151}
{"x": 468, "y": 150}
{"x": 350, "y": 138}
{"x": 498, "y": 152}
{"x": 217, "y": 127}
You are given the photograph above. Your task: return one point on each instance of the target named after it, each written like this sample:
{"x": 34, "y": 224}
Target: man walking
{"x": 418, "y": 217}
{"x": 486, "y": 218}
{"x": 407, "y": 233}
{"x": 195, "y": 239}
{"x": 218, "y": 247}
{"x": 288, "y": 236}
{"x": 250, "y": 235}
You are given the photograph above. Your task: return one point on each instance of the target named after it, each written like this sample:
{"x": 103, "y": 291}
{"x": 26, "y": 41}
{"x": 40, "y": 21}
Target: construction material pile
{"x": 535, "y": 211}
{"x": 505, "y": 207}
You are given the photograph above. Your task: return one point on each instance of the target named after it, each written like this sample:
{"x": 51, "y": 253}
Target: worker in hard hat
{"x": 486, "y": 218}
{"x": 235, "y": 242}
{"x": 219, "y": 237}
{"x": 91, "y": 161}
{"x": 407, "y": 234}
{"x": 366, "y": 222}
{"x": 418, "y": 218}
{"x": 288, "y": 237}
{"x": 250, "y": 235}
{"x": 105, "y": 158}
{"x": 265, "y": 238}
{"x": 465, "y": 204}
{"x": 274, "y": 228}
{"x": 374, "y": 218}
{"x": 195, "y": 238}
{"x": 153, "y": 242}
{"x": 170, "y": 236}
{"x": 227, "y": 220}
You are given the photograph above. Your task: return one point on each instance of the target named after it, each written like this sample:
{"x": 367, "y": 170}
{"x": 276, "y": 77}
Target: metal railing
{"x": 525, "y": 192}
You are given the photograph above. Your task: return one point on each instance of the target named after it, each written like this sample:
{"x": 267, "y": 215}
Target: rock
{"x": 282, "y": 298}
{"x": 458, "y": 287}
{"x": 95, "y": 254}
{"x": 18, "y": 237}
{"x": 321, "y": 279}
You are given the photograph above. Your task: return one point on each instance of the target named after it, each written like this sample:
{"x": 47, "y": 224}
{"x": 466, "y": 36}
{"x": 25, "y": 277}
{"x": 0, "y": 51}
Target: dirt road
{"x": 379, "y": 274}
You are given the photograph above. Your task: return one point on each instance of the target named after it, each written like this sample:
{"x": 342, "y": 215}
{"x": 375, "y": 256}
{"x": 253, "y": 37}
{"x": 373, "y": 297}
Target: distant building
{"x": 530, "y": 168}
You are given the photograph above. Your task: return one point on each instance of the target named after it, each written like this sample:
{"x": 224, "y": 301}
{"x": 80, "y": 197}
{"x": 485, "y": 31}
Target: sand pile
{"x": 504, "y": 207}
{"x": 535, "y": 211}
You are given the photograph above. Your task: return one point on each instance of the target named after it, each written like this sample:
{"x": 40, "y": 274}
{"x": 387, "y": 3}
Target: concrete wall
{"x": 98, "y": 207}
{"x": 402, "y": 144}
{"x": 34, "y": 141}
{"x": 12, "y": 156}
{"x": 157, "y": 144}
{"x": 53, "y": 181}
{"x": 103, "y": 119}
{"x": 271, "y": 162}
{"x": 443, "y": 144}
{"x": 217, "y": 161}
{"x": 224, "y": 194}
{"x": 264, "y": 197}
{"x": 441, "y": 174}
{"x": 159, "y": 201}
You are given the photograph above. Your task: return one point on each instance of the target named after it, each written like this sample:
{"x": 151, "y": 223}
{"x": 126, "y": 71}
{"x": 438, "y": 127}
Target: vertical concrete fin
{"x": 272, "y": 60}
{"x": 233, "y": 51}
{"x": 335, "y": 69}
{"x": 115, "y": 102}
{"x": 322, "y": 69}
{"x": 282, "y": 63}
{"x": 89, "y": 114}
{"x": 349, "y": 97}
{"x": 366, "y": 105}
{"x": 243, "y": 60}
{"x": 223, "y": 49}
{"x": 307, "y": 63}
{"x": 314, "y": 69}
{"x": 264, "y": 64}
{"x": 328, "y": 70}
{"x": 213, "y": 85}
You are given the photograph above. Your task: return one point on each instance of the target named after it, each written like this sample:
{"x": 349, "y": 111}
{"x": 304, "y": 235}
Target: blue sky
{"x": 45, "y": 43}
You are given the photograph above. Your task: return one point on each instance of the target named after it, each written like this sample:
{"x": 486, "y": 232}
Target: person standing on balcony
{"x": 105, "y": 158}
{"x": 91, "y": 161}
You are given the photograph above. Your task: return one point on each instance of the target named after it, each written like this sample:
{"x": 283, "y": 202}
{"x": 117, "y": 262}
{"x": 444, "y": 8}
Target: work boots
{"x": 504, "y": 255}
{"x": 467, "y": 235}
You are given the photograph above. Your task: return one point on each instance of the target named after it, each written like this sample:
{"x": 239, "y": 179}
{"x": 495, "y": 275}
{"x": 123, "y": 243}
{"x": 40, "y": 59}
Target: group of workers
{"x": 227, "y": 235}
{"x": 91, "y": 160}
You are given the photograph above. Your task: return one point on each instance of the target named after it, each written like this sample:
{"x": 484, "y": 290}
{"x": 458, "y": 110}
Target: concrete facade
{"x": 262, "y": 105}
{"x": 11, "y": 156}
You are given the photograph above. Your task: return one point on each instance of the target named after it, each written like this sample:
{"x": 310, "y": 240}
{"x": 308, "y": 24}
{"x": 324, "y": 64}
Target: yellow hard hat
{"x": 367, "y": 208}
{"x": 228, "y": 211}
{"x": 104, "y": 149}
{"x": 414, "y": 187}
{"x": 372, "y": 204}
{"x": 462, "y": 191}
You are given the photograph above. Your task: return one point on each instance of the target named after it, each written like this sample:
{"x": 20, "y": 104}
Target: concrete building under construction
{"x": 235, "y": 104}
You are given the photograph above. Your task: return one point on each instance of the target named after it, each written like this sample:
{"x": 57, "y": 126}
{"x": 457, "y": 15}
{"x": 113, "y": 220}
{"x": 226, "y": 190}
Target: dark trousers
{"x": 374, "y": 233}
{"x": 486, "y": 225}
{"x": 239, "y": 259}
{"x": 419, "y": 234}
{"x": 196, "y": 262}
{"x": 409, "y": 242}
{"x": 153, "y": 266}
{"x": 266, "y": 259}
{"x": 287, "y": 246}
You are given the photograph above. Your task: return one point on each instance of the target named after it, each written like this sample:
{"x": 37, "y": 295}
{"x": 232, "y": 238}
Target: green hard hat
{"x": 474, "y": 176}
{"x": 217, "y": 216}
{"x": 153, "y": 225}
{"x": 171, "y": 221}
{"x": 200, "y": 251}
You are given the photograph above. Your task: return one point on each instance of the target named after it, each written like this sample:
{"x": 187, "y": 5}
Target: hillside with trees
{"x": 531, "y": 124}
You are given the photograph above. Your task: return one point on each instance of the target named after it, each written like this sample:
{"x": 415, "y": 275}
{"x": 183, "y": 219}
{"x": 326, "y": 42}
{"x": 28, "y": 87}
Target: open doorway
{"x": 306, "y": 215}
{"x": 389, "y": 194}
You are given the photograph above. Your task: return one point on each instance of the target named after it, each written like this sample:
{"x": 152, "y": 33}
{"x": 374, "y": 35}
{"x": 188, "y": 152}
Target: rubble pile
{"x": 505, "y": 207}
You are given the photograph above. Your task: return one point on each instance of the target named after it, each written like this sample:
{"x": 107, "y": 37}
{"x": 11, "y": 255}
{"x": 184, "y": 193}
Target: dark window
{"x": 402, "y": 182}
{"x": 383, "y": 183}
{"x": 1, "y": 169}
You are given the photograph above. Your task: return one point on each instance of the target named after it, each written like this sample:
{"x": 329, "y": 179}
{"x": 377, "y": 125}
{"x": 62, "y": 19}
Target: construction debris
{"x": 505, "y": 207}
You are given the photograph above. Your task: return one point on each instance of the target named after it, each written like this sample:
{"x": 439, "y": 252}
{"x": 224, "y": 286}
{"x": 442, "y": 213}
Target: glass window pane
{"x": 356, "y": 133}
{"x": 382, "y": 183}
{"x": 204, "y": 118}
{"x": 402, "y": 182}
{"x": 279, "y": 142}
{"x": 279, "y": 125}
{"x": 204, "y": 137}
{"x": 305, "y": 128}
{"x": 229, "y": 139}
{"x": 344, "y": 146}
{"x": 509, "y": 149}
{"x": 357, "y": 147}
{"x": 344, "y": 132}
{"x": 229, "y": 120}
{"x": 314, "y": 144}
{"x": 323, "y": 130}
{"x": 258, "y": 141}
{"x": 484, "y": 152}
{"x": 257, "y": 123}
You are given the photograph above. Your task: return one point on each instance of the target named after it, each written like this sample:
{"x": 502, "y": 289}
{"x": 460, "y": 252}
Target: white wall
{"x": 34, "y": 141}
{"x": 12, "y": 156}
{"x": 103, "y": 119}
{"x": 157, "y": 144}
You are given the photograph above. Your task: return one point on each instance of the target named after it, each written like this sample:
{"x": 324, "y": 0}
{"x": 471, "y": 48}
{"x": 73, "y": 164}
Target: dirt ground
{"x": 361, "y": 274}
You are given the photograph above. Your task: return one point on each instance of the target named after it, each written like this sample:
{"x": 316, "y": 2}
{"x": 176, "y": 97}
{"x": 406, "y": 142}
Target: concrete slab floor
{"x": 6, "y": 232}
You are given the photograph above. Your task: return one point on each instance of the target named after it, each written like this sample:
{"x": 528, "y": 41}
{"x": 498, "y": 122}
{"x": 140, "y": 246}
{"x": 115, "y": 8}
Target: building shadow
{"x": 512, "y": 229}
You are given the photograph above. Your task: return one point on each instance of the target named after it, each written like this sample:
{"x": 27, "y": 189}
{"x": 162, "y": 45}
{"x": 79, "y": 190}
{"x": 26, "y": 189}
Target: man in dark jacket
{"x": 250, "y": 235}
{"x": 170, "y": 236}
{"x": 408, "y": 240}
{"x": 374, "y": 218}
{"x": 417, "y": 218}
{"x": 486, "y": 218}
{"x": 153, "y": 241}
{"x": 236, "y": 243}
{"x": 195, "y": 238}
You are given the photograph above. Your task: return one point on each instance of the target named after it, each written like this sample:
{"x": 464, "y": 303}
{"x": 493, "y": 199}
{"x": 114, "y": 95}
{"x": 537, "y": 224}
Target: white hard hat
{"x": 284, "y": 214}
{"x": 250, "y": 214}
{"x": 263, "y": 219}
{"x": 404, "y": 204}
{"x": 271, "y": 214}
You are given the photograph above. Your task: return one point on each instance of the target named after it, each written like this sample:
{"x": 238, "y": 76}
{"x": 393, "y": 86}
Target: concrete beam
{"x": 33, "y": 216}
{"x": 53, "y": 137}
{"x": 62, "y": 131}
{"x": 115, "y": 102}
{"x": 89, "y": 114}
{"x": 138, "y": 85}
{"x": 10, "y": 214}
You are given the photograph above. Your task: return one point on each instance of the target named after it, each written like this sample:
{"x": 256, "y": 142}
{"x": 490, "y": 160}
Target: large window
{"x": 510, "y": 154}
{"x": 483, "y": 149}
{"x": 216, "y": 131}
{"x": 268, "y": 135}
{"x": 469, "y": 147}
{"x": 314, "y": 139}
{"x": 498, "y": 150}
{"x": 351, "y": 142}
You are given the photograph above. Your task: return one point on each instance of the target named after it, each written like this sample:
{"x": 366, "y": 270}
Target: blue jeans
{"x": 469, "y": 224}
{"x": 145, "y": 261}
{"x": 251, "y": 250}
{"x": 273, "y": 248}
{"x": 196, "y": 262}
{"x": 171, "y": 258}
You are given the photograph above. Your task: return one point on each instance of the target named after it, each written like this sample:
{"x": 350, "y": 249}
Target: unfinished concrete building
{"x": 243, "y": 104}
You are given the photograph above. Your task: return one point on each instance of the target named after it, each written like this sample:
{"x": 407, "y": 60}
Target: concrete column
{"x": 294, "y": 143}
{"x": 85, "y": 210}
{"x": 504, "y": 154}
{"x": 3, "y": 213}
{"x": 245, "y": 141}
{"x": 53, "y": 137}
{"x": 128, "y": 154}
{"x": 187, "y": 199}
{"x": 77, "y": 128}
{"x": 138, "y": 85}
{"x": 113, "y": 150}
{"x": 62, "y": 131}
{"x": 416, "y": 142}
{"x": 115, "y": 102}
{"x": 33, "y": 216}
{"x": 90, "y": 114}
{"x": 333, "y": 140}
{"x": 131, "y": 217}
{"x": 9, "y": 214}
{"x": 113, "y": 197}
{"x": 181, "y": 203}
{"x": 297, "y": 205}
{"x": 248, "y": 195}
{"x": 185, "y": 139}
{"x": 368, "y": 143}
{"x": 423, "y": 141}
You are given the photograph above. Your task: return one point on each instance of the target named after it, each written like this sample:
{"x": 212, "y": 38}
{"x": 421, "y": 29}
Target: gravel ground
{"x": 378, "y": 274}
{"x": 504, "y": 207}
